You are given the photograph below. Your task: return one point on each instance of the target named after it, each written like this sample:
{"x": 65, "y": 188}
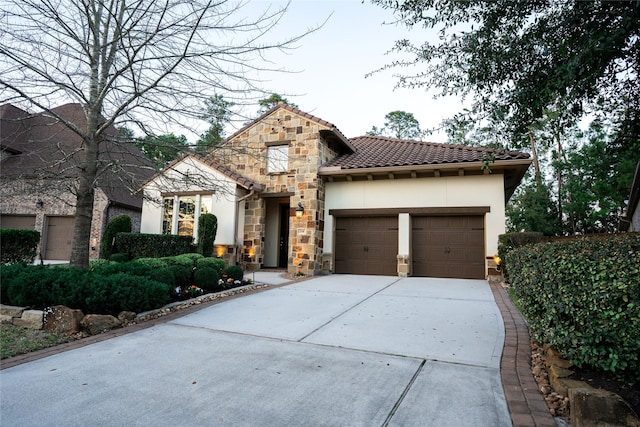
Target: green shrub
{"x": 208, "y": 272}
{"x": 9, "y": 274}
{"x": 119, "y": 224}
{"x": 509, "y": 241}
{"x": 103, "y": 290}
{"x": 138, "y": 245}
{"x": 583, "y": 298}
{"x": 182, "y": 267}
{"x": 234, "y": 271}
{"x": 119, "y": 257}
{"x": 18, "y": 245}
{"x": 207, "y": 230}
{"x": 158, "y": 270}
{"x": 120, "y": 292}
{"x": 32, "y": 286}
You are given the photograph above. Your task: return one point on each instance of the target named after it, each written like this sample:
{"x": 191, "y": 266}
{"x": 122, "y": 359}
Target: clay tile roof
{"x": 240, "y": 179}
{"x": 378, "y": 151}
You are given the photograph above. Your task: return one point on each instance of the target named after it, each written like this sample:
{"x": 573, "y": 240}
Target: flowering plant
{"x": 188, "y": 292}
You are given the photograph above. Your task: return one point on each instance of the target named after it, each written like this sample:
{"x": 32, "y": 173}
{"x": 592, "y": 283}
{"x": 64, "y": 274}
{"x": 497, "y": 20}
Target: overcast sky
{"x": 333, "y": 62}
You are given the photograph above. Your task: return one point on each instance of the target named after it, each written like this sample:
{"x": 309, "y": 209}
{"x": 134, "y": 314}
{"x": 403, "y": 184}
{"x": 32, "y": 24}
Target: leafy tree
{"x": 147, "y": 63}
{"x": 163, "y": 149}
{"x": 399, "y": 124}
{"x": 532, "y": 209}
{"x": 518, "y": 59}
{"x": 597, "y": 181}
{"x": 217, "y": 114}
{"x": 273, "y": 100}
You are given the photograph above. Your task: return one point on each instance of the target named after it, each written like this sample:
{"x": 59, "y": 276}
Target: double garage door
{"x": 57, "y": 238}
{"x": 441, "y": 246}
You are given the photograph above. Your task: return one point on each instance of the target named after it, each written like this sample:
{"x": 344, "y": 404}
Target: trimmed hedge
{"x": 18, "y": 245}
{"x": 87, "y": 290}
{"x": 141, "y": 245}
{"x": 119, "y": 224}
{"x": 583, "y": 298}
{"x": 510, "y": 241}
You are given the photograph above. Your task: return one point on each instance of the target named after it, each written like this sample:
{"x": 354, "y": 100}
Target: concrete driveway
{"x": 337, "y": 350}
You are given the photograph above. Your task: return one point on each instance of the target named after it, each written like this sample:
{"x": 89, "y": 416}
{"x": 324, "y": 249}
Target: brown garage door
{"x": 366, "y": 245}
{"x": 18, "y": 222}
{"x": 58, "y": 239}
{"x": 448, "y": 246}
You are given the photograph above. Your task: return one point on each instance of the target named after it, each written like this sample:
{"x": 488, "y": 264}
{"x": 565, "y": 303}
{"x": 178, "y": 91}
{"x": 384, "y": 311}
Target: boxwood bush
{"x": 208, "y": 272}
{"x": 583, "y": 298}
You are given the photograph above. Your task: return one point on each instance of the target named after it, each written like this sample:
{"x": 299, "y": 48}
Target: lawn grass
{"x": 15, "y": 340}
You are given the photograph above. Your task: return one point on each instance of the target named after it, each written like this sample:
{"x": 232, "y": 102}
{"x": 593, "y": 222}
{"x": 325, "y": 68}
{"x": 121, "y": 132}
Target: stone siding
{"x": 246, "y": 152}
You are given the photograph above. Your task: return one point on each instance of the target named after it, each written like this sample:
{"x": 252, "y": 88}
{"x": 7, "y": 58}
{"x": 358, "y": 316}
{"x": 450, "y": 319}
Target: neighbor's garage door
{"x": 448, "y": 246}
{"x": 366, "y": 245}
{"x": 18, "y": 222}
{"x": 58, "y": 239}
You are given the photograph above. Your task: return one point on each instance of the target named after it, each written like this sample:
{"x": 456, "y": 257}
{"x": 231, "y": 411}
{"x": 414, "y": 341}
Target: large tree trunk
{"x": 88, "y": 171}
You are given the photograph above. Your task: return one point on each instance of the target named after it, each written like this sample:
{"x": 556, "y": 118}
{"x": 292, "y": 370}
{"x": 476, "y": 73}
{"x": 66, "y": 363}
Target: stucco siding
{"x": 455, "y": 191}
{"x": 190, "y": 176}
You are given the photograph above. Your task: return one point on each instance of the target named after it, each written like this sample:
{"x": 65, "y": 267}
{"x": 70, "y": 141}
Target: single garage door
{"x": 58, "y": 239}
{"x": 18, "y": 222}
{"x": 448, "y": 246}
{"x": 366, "y": 245}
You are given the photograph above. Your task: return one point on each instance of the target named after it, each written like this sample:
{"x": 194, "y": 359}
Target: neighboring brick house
{"x": 291, "y": 191}
{"x": 38, "y": 178}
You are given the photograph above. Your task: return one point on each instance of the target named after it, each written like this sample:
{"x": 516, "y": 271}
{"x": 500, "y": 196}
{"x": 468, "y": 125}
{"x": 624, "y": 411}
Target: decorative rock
{"x": 126, "y": 317}
{"x": 563, "y": 385}
{"x": 32, "y": 319}
{"x": 60, "y": 319}
{"x": 10, "y": 310}
{"x": 592, "y": 407}
{"x": 5, "y": 319}
{"x": 557, "y": 361}
{"x": 97, "y": 323}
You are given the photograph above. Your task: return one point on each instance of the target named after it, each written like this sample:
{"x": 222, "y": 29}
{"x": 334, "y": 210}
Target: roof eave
{"x": 498, "y": 164}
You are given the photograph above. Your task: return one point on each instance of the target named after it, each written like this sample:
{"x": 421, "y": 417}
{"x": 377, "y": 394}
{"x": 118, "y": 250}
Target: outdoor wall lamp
{"x": 39, "y": 203}
{"x": 299, "y": 210}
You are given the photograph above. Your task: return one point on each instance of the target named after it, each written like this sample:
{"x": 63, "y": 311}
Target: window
{"x": 167, "y": 215}
{"x": 278, "y": 159}
{"x": 189, "y": 209}
{"x": 186, "y": 215}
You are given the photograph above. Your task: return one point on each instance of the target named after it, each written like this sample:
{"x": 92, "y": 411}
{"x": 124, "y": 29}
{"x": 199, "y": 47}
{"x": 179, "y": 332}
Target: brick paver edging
{"x": 526, "y": 403}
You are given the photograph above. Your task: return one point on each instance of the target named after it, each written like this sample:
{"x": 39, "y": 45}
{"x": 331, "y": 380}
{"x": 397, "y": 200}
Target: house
{"x": 291, "y": 191}
{"x": 630, "y": 219}
{"x": 38, "y": 177}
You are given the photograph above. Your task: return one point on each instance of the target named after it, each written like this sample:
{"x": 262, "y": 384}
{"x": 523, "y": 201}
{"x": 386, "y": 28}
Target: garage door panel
{"x": 366, "y": 245}
{"x": 58, "y": 238}
{"x": 448, "y": 246}
{"x": 18, "y": 222}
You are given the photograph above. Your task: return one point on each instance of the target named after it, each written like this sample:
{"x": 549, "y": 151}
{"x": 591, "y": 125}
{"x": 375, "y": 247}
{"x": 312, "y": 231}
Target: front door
{"x": 283, "y": 238}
